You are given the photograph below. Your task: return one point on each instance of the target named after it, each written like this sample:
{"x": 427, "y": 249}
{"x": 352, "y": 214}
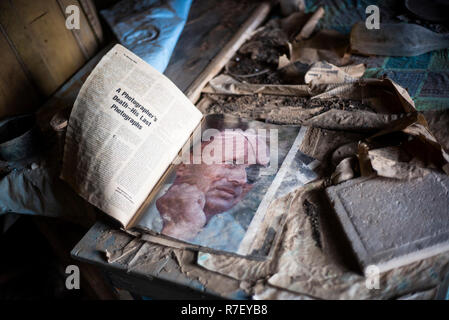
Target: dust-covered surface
{"x": 392, "y": 222}
{"x": 133, "y": 258}
{"x": 257, "y": 60}
{"x": 351, "y": 113}
{"x": 252, "y": 105}
{"x": 328, "y": 272}
{"x": 313, "y": 257}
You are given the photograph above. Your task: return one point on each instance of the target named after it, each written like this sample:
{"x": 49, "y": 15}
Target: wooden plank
{"x": 210, "y": 25}
{"x": 17, "y": 95}
{"x": 92, "y": 16}
{"x": 162, "y": 284}
{"x": 226, "y": 53}
{"x": 37, "y": 31}
{"x": 85, "y": 36}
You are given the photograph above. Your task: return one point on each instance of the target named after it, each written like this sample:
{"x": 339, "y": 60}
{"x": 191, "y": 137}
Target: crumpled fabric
{"x": 149, "y": 28}
{"x": 40, "y": 192}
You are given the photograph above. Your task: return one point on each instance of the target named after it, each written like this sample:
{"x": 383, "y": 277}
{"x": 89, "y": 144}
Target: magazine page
{"x": 127, "y": 125}
{"x": 217, "y": 197}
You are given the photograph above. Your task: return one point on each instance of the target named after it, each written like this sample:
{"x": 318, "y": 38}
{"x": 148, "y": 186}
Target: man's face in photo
{"x": 223, "y": 184}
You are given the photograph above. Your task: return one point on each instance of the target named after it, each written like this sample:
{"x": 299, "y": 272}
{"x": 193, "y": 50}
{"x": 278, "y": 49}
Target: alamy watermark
{"x": 73, "y": 17}
{"x": 232, "y": 147}
{"x": 72, "y": 280}
{"x": 372, "y": 275}
{"x": 373, "y": 20}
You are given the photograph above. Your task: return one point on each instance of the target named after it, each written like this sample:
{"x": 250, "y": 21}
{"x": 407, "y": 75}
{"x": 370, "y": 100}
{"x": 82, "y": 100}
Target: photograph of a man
{"x": 200, "y": 191}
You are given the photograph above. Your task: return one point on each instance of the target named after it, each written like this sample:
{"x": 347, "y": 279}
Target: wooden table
{"x": 159, "y": 279}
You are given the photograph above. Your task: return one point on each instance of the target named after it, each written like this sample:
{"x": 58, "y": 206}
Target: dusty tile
{"x": 391, "y": 222}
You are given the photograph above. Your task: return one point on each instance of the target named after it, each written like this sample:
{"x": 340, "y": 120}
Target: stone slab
{"x": 391, "y": 223}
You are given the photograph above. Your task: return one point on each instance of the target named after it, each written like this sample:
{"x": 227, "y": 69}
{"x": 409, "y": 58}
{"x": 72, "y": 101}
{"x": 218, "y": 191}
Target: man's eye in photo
{"x": 252, "y": 173}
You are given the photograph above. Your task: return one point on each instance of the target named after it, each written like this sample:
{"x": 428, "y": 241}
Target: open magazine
{"x": 140, "y": 151}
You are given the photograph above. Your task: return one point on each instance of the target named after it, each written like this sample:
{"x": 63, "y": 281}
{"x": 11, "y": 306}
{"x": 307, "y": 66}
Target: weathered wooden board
{"x": 47, "y": 49}
{"x": 160, "y": 279}
{"x": 85, "y": 35}
{"x": 17, "y": 93}
{"x": 44, "y": 50}
{"x": 211, "y": 24}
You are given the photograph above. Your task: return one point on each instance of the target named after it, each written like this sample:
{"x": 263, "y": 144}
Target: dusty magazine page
{"x": 224, "y": 205}
{"x": 127, "y": 125}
